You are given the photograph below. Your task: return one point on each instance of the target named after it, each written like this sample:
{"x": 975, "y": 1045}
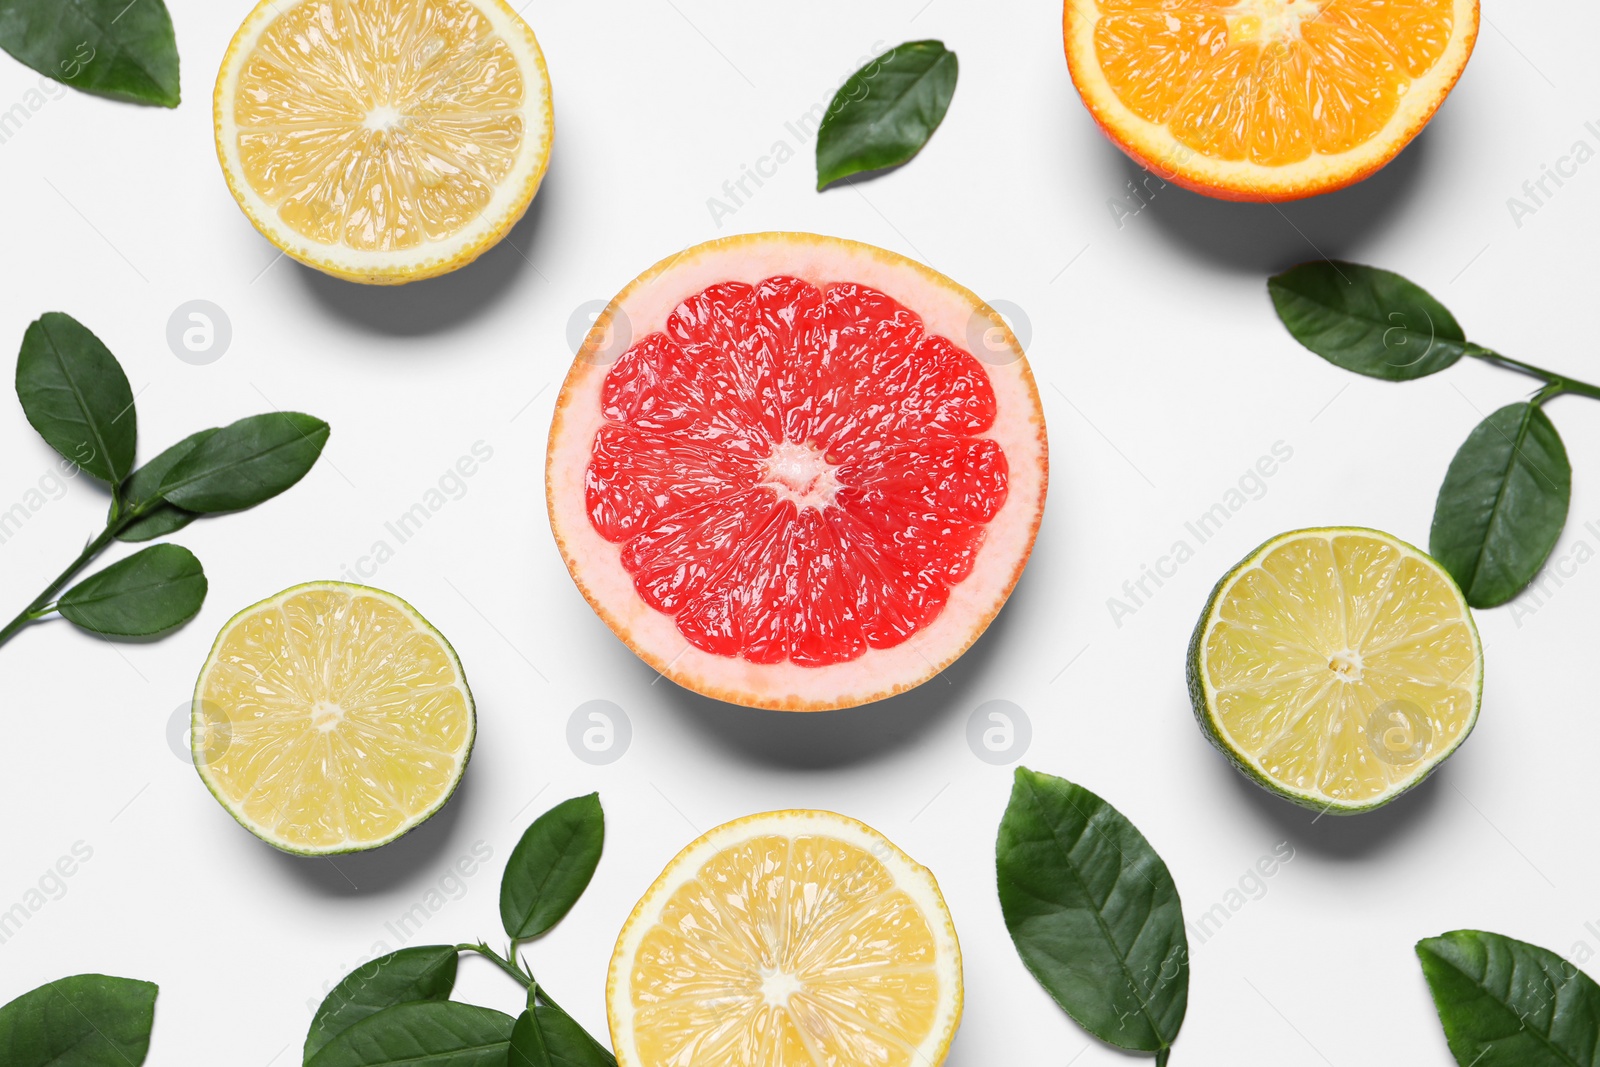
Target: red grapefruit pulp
{"x": 794, "y": 486}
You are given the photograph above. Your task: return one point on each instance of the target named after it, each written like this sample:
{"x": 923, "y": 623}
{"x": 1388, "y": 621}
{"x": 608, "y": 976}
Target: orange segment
{"x": 1266, "y": 99}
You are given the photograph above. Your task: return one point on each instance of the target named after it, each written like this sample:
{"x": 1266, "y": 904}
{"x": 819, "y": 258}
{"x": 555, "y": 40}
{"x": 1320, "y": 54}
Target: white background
{"x": 1164, "y": 374}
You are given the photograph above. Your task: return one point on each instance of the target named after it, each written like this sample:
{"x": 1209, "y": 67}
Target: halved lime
{"x": 331, "y": 718}
{"x": 1337, "y": 667}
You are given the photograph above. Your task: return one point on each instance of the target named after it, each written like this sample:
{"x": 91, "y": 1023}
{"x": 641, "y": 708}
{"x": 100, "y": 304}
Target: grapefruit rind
{"x": 1153, "y": 147}
{"x": 1202, "y": 695}
{"x": 946, "y": 309}
{"x": 233, "y": 807}
{"x": 511, "y": 198}
{"x": 910, "y": 877}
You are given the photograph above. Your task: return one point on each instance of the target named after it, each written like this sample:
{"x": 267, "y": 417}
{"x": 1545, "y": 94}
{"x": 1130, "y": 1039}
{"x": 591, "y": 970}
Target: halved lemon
{"x": 1266, "y": 99}
{"x": 1337, "y": 667}
{"x": 790, "y": 939}
{"x": 331, "y": 718}
{"x": 384, "y": 141}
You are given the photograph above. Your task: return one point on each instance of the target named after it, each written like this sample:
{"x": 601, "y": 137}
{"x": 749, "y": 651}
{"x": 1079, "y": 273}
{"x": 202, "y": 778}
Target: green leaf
{"x": 551, "y": 866}
{"x": 423, "y": 1033}
{"x": 74, "y": 393}
{"x": 246, "y": 462}
{"x": 885, "y": 112}
{"x": 1366, "y": 320}
{"x": 143, "y": 489}
{"x": 528, "y": 1048}
{"x": 1093, "y": 912}
{"x": 88, "y": 1020}
{"x": 1506, "y": 1003}
{"x": 427, "y": 972}
{"x": 1502, "y": 505}
{"x": 148, "y": 593}
{"x": 123, "y": 49}
{"x": 570, "y": 1045}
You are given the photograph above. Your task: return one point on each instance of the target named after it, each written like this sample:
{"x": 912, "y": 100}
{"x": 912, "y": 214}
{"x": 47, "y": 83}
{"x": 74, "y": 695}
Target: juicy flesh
{"x": 1342, "y": 666}
{"x": 786, "y": 952}
{"x": 1269, "y": 81}
{"x": 796, "y": 473}
{"x": 379, "y": 125}
{"x": 331, "y": 719}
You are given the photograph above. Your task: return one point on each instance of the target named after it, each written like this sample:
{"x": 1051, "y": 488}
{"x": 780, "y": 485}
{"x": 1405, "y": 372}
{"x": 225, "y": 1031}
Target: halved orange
{"x": 1266, "y": 99}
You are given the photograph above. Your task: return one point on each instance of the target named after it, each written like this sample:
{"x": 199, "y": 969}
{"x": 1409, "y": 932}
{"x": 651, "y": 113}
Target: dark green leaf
{"x": 1367, "y": 320}
{"x": 1502, "y": 505}
{"x": 1093, "y": 912}
{"x": 423, "y": 1033}
{"x": 551, "y": 866}
{"x": 885, "y": 112}
{"x": 149, "y": 592}
{"x": 143, "y": 488}
{"x": 74, "y": 393}
{"x": 123, "y": 49}
{"x": 1506, "y": 1003}
{"x": 246, "y": 462}
{"x": 570, "y": 1045}
{"x": 88, "y": 1020}
{"x": 427, "y": 972}
{"x": 528, "y": 1048}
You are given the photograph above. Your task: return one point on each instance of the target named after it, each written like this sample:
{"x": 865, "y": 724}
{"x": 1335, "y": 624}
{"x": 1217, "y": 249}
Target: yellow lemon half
{"x": 384, "y": 141}
{"x": 790, "y": 939}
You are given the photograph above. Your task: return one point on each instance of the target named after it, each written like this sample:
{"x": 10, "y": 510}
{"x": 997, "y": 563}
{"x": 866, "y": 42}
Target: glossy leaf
{"x": 528, "y": 1047}
{"x": 569, "y": 1044}
{"x": 1367, "y": 320}
{"x": 246, "y": 462}
{"x": 1506, "y": 1003}
{"x": 551, "y": 866}
{"x": 1093, "y": 912}
{"x": 75, "y": 394}
{"x": 885, "y": 112}
{"x": 427, "y": 972}
{"x": 1502, "y": 505}
{"x": 89, "y": 1020}
{"x": 423, "y": 1033}
{"x": 123, "y": 49}
{"x": 143, "y": 488}
{"x": 150, "y": 592}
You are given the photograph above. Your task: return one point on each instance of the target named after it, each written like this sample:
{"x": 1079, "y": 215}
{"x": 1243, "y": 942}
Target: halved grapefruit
{"x": 1266, "y": 99}
{"x": 781, "y": 474}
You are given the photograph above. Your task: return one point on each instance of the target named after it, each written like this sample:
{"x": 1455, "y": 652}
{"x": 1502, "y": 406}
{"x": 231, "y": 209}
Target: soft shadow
{"x": 862, "y": 176}
{"x": 435, "y": 305}
{"x": 837, "y": 739}
{"x": 1266, "y": 238}
{"x": 1342, "y": 837}
{"x": 413, "y": 856}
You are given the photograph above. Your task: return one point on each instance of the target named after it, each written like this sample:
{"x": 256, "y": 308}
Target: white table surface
{"x": 1164, "y": 374}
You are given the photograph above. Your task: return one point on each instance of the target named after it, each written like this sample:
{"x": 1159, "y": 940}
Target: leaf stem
{"x": 508, "y": 964}
{"x": 1555, "y": 384}
{"x": 1161, "y": 1057}
{"x": 44, "y": 603}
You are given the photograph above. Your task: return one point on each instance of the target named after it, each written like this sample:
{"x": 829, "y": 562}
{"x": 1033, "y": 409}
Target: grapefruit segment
{"x": 794, "y": 489}
{"x": 1266, "y": 99}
